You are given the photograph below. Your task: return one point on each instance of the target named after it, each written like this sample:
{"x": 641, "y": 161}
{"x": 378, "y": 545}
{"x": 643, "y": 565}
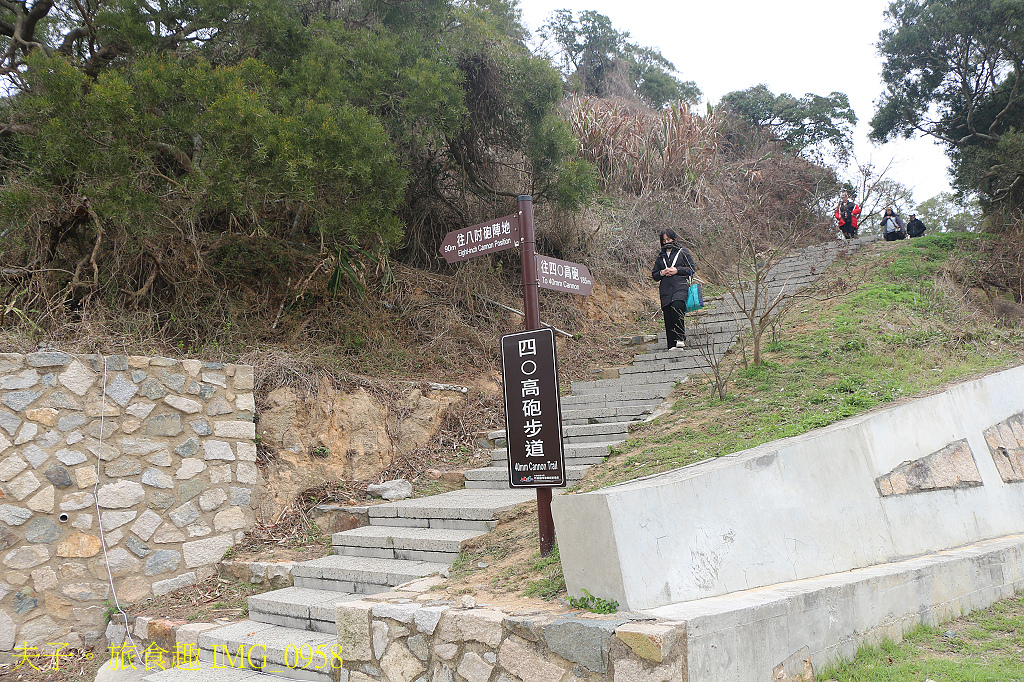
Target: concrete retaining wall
{"x": 937, "y": 473}
{"x": 153, "y": 457}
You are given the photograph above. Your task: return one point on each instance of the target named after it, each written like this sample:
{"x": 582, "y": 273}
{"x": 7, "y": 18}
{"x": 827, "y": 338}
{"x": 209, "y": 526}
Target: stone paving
{"x": 411, "y": 538}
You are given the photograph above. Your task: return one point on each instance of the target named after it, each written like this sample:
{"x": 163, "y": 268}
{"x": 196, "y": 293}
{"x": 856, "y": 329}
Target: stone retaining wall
{"x": 433, "y": 640}
{"x": 154, "y": 456}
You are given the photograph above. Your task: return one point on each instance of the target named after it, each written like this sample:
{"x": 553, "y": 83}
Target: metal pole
{"x": 531, "y": 308}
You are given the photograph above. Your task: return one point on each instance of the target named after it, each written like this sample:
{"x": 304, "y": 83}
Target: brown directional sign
{"x": 533, "y": 410}
{"x": 479, "y": 240}
{"x": 561, "y": 275}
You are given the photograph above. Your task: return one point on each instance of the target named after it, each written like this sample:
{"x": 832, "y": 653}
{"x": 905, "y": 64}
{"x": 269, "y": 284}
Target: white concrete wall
{"x": 792, "y": 509}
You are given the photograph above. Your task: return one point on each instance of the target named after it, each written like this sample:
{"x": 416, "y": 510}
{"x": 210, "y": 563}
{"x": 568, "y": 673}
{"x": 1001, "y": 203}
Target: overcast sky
{"x": 793, "y": 46}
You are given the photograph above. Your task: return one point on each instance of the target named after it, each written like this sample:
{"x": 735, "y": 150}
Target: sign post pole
{"x": 531, "y": 309}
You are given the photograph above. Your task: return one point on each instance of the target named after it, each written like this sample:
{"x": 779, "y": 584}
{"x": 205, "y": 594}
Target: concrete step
{"x": 624, "y": 384}
{"x": 496, "y": 478}
{"x": 588, "y": 401}
{"x": 580, "y": 433}
{"x": 410, "y": 544}
{"x": 586, "y": 453}
{"x": 359, "y": 574}
{"x": 204, "y": 672}
{"x": 598, "y": 415}
{"x": 265, "y": 648}
{"x": 302, "y": 608}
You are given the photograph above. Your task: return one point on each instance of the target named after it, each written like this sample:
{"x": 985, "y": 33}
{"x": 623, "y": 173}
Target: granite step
{"x": 623, "y": 384}
{"x": 205, "y": 672}
{"x": 496, "y": 478}
{"x": 580, "y": 433}
{"x": 265, "y": 647}
{"x": 410, "y": 544}
{"x": 360, "y": 574}
{"x": 302, "y": 608}
{"x": 588, "y": 453}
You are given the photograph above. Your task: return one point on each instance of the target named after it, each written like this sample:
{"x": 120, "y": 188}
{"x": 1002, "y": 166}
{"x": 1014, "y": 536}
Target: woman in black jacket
{"x": 672, "y": 270}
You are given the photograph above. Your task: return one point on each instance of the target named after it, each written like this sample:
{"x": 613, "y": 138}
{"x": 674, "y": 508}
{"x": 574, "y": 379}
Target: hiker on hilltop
{"x": 672, "y": 271}
{"x": 846, "y": 215}
{"x": 892, "y": 225}
{"x": 915, "y": 228}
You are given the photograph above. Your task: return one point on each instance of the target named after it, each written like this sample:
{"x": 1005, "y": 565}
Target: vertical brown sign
{"x": 533, "y": 410}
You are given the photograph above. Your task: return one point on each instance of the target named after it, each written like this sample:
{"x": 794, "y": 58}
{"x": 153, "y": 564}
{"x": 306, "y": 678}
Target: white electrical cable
{"x": 96, "y": 502}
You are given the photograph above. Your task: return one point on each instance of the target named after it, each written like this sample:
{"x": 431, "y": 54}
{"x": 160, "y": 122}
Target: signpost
{"x": 533, "y": 423}
{"x": 480, "y": 240}
{"x": 562, "y": 275}
{"x": 533, "y": 410}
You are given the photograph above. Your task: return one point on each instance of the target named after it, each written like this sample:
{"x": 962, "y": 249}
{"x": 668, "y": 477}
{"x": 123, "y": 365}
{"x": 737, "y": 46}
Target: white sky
{"x": 793, "y": 46}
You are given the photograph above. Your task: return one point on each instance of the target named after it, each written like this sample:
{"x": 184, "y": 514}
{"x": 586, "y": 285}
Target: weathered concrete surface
{"x": 743, "y": 636}
{"x": 796, "y": 508}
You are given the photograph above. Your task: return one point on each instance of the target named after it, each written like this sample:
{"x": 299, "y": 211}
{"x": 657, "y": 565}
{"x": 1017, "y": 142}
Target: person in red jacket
{"x": 846, "y": 216}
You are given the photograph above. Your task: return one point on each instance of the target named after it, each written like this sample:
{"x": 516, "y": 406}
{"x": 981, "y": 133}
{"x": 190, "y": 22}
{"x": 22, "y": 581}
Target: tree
{"x": 137, "y": 161}
{"x": 762, "y": 208}
{"x": 946, "y": 213}
{"x": 810, "y": 124}
{"x": 953, "y": 70}
{"x": 597, "y": 59}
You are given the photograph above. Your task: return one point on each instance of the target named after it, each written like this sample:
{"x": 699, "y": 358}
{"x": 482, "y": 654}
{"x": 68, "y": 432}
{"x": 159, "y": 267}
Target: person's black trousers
{"x": 675, "y": 325}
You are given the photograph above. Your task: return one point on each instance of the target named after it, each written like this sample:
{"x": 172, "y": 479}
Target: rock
{"x": 121, "y": 390}
{"x": 220, "y": 474}
{"x": 402, "y": 666}
{"x": 647, "y": 640}
{"x": 167, "y": 534}
{"x": 85, "y": 477}
{"x": 474, "y": 668}
{"x": 26, "y": 433}
{"x": 77, "y": 378}
{"x": 59, "y": 476}
{"x": 586, "y": 642}
{"x": 136, "y": 547}
{"x": 433, "y": 474}
{"x": 467, "y": 602}
{"x": 86, "y": 591}
{"x": 173, "y": 380}
{"x": 234, "y": 429}
{"x": 42, "y": 501}
{"x": 79, "y": 545}
{"x": 104, "y": 451}
{"x": 212, "y": 499}
{"x": 71, "y": 457}
{"x": 201, "y": 426}
{"x": 26, "y": 379}
{"x": 112, "y": 520}
{"x": 75, "y": 501}
{"x": 183, "y": 515}
{"x": 123, "y": 466}
{"x": 120, "y": 495}
{"x": 162, "y": 561}
{"x": 218, "y": 449}
{"x": 19, "y": 400}
{"x": 398, "y": 489}
{"x": 379, "y": 638}
{"x": 160, "y": 459}
{"x": 147, "y": 524}
{"x": 186, "y": 405}
{"x": 246, "y": 451}
{"x": 246, "y": 472}
{"x": 231, "y": 518}
{"x": 426, "y": 618}
{"x": 14, "y": 516}
{"x": 23, "y": 485}
{"x": 7, "y": 631}
{"x": 140, "y": 410}
{"x": 162, "y": 587}
{"x": 118, "y": 560}
{"x": 27, "y": 557}
{"x": 35, "y": 455}
{"x": 8, "y": 539}
{"x": 48, "y": 359}
{"x": 82, "y": 521}
{"x": 133, "y": 589}
{"x": 198, "y": 529}
{"x": 157, "y": 479}
{"x": 240, "y": 496}
{"x": 524, "y": 663}
{"x": 47, "y": 416}
{"x": 11, "y": 467}
{"x": 207, "y": 551}
{"x": 164, "y": 425}
{"x": 189, "y": 448}
{"x": 160, "y": 500}
{"x": 189, "y": 468}
{"x": 152, "y": 389}
{"x": 41, "y": 530}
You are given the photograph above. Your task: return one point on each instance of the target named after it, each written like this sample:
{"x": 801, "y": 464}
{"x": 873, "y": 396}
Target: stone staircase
{"x": 411, "y": 539}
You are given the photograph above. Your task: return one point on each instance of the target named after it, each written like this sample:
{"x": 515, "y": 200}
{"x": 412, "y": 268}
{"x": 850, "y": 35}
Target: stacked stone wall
{"x": 119, "y": 476}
